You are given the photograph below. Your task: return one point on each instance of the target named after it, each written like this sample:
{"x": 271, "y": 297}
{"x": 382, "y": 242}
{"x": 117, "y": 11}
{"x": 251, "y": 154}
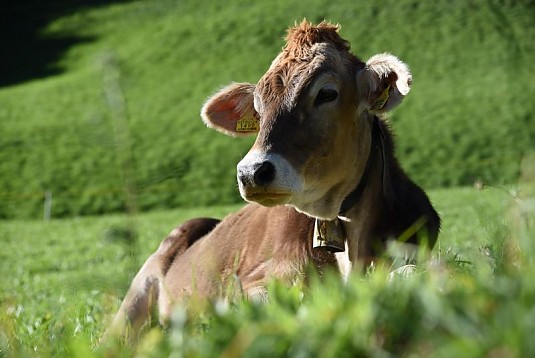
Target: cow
{"x": 322, "y": 181}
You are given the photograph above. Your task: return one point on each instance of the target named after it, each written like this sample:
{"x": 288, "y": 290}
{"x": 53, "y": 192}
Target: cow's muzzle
{"x": 267, "y": 179}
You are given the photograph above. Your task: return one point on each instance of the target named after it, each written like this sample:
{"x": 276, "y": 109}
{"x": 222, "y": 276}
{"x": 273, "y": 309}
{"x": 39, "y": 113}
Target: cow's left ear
{"x": 383, "y": 82}
{"x": 231, "y": 110}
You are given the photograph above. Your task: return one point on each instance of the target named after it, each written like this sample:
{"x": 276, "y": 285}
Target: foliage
{"x": 474, "y": 299}
{"x": 469, "y": 116}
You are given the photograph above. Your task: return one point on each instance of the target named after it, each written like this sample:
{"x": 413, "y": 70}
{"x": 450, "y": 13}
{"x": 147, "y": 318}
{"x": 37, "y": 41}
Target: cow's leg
{"x": 139, "y": 301}
{"x": 147, "y": 288}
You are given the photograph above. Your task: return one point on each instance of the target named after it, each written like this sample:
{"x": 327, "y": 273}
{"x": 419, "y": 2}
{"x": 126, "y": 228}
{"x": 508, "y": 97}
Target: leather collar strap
{"x": 377, "y": 141}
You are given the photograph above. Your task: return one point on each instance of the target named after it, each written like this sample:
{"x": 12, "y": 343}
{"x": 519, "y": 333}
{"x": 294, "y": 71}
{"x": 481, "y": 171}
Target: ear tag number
{"x": 381, "y": 100}
{"x": 248, "y": 125}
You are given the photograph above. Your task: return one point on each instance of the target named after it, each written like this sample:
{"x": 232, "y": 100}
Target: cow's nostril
{"x": 243, "y": 179}
{"x": 264, "y": 174}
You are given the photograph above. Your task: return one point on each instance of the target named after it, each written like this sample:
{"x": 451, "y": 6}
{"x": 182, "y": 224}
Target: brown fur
{"x": 302, "y": 37}
{"x": 309, "y": 155}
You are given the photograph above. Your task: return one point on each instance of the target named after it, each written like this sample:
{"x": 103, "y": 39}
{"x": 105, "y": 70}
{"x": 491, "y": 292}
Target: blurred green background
{"x": 100, "y": 100}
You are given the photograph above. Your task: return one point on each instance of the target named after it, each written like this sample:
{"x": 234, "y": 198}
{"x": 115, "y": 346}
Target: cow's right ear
{"x": 231, "y": 110}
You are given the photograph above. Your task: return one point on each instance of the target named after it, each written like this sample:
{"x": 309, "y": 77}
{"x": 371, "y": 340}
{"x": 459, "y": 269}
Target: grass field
{"x": 62, "y": 281}
{"x": 469, "y": 116}
{"x": 99, "y": 98}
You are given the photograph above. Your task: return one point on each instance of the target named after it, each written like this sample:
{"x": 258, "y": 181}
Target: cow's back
{"x": 247, "y": 247}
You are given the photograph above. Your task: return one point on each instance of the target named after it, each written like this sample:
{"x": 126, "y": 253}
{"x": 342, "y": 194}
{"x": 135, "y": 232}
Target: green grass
{"x": 469, "y": 116}
{"x": 67, "y": 274}
{"x": 63, "y": 280}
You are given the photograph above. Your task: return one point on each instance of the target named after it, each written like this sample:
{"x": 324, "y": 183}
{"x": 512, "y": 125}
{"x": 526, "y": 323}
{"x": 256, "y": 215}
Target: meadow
{"x": 99, "y": 108}
{"x": 63, "y": 281}
{"x": 119, "y": 103}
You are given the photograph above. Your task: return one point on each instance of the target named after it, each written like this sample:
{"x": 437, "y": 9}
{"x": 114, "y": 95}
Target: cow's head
{"x": 311, "y": 111}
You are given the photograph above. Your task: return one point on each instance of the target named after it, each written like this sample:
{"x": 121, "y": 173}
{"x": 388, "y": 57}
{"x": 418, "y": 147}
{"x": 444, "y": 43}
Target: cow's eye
{"x": 325, "y": 95}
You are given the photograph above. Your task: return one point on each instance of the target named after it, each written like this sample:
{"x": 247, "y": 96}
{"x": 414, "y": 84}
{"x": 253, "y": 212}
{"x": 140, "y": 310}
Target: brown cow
{"x": 322, "y": 165}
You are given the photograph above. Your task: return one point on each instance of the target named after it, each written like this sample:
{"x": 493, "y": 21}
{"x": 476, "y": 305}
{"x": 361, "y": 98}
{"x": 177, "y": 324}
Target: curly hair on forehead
{"x": 301, "y": 37}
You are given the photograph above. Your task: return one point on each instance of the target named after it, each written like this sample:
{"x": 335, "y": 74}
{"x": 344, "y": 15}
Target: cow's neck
{"x": 361, "y": 209}
{"x": 376, "y": 154}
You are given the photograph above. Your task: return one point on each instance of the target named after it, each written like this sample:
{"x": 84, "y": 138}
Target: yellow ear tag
{"x": 248, "y": 125}
{"x": 381, "y": 100}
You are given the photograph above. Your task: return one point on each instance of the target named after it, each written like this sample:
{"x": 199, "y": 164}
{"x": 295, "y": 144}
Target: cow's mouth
{"x": 268, "y": 198}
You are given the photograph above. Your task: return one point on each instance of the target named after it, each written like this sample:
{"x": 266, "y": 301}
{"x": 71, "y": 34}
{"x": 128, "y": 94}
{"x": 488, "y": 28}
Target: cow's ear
{"x": 383, "y": 82}
{"x": 231, "y": 110}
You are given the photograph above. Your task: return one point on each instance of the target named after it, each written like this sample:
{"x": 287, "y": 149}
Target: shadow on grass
{"x": 27, "y": 54}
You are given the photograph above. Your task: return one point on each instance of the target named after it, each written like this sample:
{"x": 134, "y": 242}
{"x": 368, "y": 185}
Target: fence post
{"x": 47, "y": 212}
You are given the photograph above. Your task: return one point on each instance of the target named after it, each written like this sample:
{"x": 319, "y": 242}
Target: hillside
{"x": 112, "y": 122}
